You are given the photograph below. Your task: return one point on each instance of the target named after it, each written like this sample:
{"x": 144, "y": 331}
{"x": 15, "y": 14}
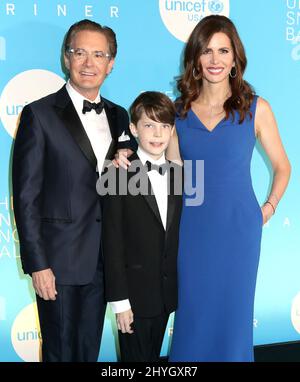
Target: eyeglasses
{"x": 81, "y": 55}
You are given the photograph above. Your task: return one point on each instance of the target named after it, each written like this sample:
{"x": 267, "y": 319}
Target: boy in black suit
{"x": 140, "y": 232}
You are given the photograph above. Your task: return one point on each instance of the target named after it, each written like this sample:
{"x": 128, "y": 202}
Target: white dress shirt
{"x": 159, "y": 184}
{"x": 95, "y": 125}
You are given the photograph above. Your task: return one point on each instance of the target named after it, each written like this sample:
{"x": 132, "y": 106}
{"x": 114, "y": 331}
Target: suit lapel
{"x": 71, "y": 121}
{"x": 111, "y": 112}
{"x": 151, "y": 200}
{"x": 171, "y": 198}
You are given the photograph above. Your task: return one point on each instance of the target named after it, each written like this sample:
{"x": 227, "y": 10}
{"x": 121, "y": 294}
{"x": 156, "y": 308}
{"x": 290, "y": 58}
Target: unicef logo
{"x": 22, "y": 89}
{"x": 216, "y": 6}
{"x": 181, "y": 17}
{"x": 296, "y": 50}
{"x": 26, "y": 335}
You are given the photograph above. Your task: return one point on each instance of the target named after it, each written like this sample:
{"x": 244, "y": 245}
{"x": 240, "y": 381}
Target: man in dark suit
{"x": 140, "y": 232}
{"x": 61, "y": 145}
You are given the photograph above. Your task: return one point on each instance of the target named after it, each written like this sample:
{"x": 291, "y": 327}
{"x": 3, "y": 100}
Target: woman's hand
{"x": 267, "y": 212}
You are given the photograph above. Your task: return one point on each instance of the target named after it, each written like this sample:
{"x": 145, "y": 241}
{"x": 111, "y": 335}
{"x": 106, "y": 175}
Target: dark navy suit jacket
{"x": 140, "y": 256}
{"x": 56, "y": 205}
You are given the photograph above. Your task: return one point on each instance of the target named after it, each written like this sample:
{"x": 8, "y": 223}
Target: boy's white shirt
{"x": 159, "y": 184}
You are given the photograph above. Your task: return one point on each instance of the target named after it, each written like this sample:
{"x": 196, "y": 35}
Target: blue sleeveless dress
{"x": 219, "y": 245}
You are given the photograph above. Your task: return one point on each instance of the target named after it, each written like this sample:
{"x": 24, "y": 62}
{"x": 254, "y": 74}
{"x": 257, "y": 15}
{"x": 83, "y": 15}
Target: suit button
{"x": 165, "y": 277}
{"x": 98, "y": 220}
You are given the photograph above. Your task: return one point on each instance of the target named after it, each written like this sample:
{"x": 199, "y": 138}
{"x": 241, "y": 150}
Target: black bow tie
{"x": 88, "y": 106}
{"x": 161, "y": 169}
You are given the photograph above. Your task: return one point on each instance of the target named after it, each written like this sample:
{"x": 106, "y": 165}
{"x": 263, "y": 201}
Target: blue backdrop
{"x": 151, "y": 35}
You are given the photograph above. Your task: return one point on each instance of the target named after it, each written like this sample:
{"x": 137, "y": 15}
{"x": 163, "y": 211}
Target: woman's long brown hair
{"x": 241, "y": 92}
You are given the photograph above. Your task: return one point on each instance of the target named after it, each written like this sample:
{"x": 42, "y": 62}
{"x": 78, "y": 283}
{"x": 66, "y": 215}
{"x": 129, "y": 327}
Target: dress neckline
{"x": 208, "y": 130}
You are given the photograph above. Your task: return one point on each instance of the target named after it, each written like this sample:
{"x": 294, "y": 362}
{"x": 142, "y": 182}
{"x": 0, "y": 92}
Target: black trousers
{"x": 72, "y": 325}
{"x": 144, "y": 344}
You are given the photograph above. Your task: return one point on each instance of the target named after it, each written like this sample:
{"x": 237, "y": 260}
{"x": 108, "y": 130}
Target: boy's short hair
{"x": 157, "y": 106}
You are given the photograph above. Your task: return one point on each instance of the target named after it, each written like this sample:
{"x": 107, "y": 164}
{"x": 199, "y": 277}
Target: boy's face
{"x": 153, "y": 136}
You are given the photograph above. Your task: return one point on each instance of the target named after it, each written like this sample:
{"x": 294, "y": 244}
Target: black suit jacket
{"x": 139, "y": 254}
{"x": 57, "y": 208}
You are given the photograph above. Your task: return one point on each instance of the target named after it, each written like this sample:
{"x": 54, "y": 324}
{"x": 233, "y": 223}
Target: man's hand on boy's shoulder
{"x": 124, "y": 321}
{"x": 121, "y": 158}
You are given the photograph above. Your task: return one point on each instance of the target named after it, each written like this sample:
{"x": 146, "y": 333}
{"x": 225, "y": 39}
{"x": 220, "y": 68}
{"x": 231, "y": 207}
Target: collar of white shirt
{"x": 77, "y": 98}
{"x": 145, "y": 156}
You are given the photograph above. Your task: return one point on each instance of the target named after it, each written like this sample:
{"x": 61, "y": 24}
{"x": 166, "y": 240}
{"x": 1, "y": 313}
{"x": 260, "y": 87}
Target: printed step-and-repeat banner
{"x": 151, "y": 36}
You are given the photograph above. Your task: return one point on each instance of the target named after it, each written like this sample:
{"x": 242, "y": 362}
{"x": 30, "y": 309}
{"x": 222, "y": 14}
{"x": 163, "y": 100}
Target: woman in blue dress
{"x": 219, "y": 120}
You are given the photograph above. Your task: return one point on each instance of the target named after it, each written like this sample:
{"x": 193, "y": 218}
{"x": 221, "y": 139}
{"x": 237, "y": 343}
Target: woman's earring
{"x": 233, "y": 72}
{"x": 196, "y": 77}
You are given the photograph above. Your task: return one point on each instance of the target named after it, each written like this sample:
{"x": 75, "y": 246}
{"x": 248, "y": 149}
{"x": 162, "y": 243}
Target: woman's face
{"x": 217, "y": 59}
